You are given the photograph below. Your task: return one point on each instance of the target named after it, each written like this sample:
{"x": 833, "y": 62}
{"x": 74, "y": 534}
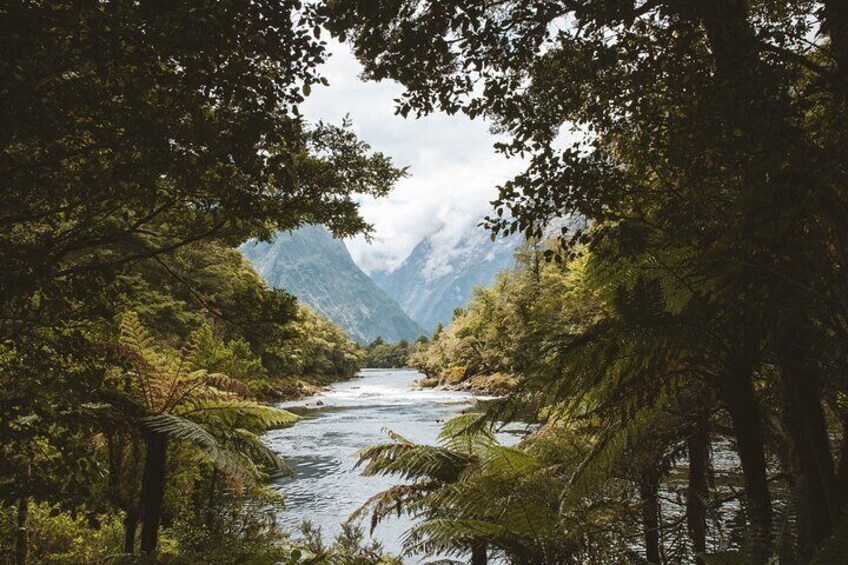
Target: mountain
{"x": 317, "y": 268}
{"x": 438, "y": 276}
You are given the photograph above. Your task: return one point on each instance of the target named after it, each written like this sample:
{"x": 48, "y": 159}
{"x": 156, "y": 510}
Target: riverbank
{"x": 284, "y": 389}
{"x": 495, "y": 384}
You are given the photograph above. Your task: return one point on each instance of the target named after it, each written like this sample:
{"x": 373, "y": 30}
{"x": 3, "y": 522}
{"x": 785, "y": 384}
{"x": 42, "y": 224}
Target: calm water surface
{"x": 322, "y": 447}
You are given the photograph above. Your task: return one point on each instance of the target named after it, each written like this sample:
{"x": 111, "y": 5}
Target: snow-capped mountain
{"x": 438, "y": 276}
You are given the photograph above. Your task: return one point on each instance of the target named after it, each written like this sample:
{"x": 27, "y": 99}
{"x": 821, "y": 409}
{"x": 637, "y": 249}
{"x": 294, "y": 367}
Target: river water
{"x": 321, "y": 449}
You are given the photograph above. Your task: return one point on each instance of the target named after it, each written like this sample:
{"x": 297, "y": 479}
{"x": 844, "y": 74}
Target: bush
{"x": 452, "y": 375}
{"x": 59, "y": 537}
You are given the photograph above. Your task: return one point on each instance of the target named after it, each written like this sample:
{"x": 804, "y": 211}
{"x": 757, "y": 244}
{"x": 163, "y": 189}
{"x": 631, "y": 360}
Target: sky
{"x": 453, "y": 168}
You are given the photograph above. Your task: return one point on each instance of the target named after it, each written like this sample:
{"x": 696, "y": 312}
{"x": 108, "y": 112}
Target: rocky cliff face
{"x": 318, "y": 270}
{"x": 438, "y": 277}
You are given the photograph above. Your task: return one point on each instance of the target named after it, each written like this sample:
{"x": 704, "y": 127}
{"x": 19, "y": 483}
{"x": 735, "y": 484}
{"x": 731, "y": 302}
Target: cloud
{"x": 452, "y": 164}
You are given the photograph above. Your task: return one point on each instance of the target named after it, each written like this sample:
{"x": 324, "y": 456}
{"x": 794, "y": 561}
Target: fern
{"x": 242, "y": 413}
{"x": 170, "y": 395}
{"x": 412, "y": 461}
{"x": 449, "y": 536}
{"x": 179, "y": 428}
{"x": 396, "y": 500}
{"x": 468, "y": 433}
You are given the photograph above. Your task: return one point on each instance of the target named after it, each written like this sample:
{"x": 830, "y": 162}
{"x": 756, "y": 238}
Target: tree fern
{"x": 411, "y": 461}
{"x": 181, "y": 429}
{"x": 233, "y": 412}
{"x": 165, "y": 394}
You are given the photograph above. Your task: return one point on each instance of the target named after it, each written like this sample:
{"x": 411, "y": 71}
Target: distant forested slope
{"x": 317, "y": 269}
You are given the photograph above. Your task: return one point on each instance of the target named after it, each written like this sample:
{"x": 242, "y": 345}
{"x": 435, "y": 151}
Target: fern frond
{"x": 225, "y": 383}
{"x": 396, "y": 500}
{"x": 251, "y": 446}
{"x": 133, "y": 333}
{"x": 231, "y": 464}
{"x": 449, "y": 536}
{"x": 412, "y": 461}
{"x": 181, "y": 429}
{"x": 611, "y": 450}
{"x": 241, "y": 414}
{"x": 507, "y": 462}
{"x": 467, "y": 433}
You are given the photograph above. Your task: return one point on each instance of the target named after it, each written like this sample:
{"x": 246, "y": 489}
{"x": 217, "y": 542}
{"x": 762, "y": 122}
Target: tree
{"x": 690, "y": 135}
{"x": 476, "y": 497}
{"x": 123, "y": 142}
{"x": 131, "y": 132}
{"x": 166, "y": 398}
{"x": 387, "y": 355}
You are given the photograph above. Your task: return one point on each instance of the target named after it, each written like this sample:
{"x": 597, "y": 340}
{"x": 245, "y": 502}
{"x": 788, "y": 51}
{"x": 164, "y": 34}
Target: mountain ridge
{"x": 434, "y": 279}
{"x": 318, "y": 269}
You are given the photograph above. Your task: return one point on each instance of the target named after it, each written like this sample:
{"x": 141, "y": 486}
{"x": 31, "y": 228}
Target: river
{"x": 321, "y": 449}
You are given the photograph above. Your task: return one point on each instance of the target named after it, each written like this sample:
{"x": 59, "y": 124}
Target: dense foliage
{"x": 260, "y": 335}
{"x": 383, "y": 355}
{"x": 685, "y": 357}
{"x": 705, "y": 142}
{"x": 489, "y": 343}
{"x": 652, "y": 466}
{"x": 141, "y": 143}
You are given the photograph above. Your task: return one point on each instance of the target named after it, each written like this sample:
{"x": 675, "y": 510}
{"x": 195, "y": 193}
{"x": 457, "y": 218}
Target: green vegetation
{"x": 141, "y": 144}
{"x": 479, "y": 498}
{"x": 703, "y": 309}
{"x": 390, "y": 355}
{"x": 490, "y": 343}
{"x": 259, "y": 335}
{"x": 684, "y": 356}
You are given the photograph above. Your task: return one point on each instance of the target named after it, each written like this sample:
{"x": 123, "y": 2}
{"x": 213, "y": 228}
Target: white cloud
{"x": 453, "y": 167}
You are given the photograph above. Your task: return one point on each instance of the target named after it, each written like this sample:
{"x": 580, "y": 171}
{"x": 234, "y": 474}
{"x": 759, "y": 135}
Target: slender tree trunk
{"x": 130, "y": 526}
{"x": 649, "y": 485}
{"x": 152, "y": 490}
{"x": 478, "y": 553}
{"x": 22, "y": 532}
{"x": 734, "y": 47}
{"x": 114, "y": 450}
{"x": 813, "y": 466}
{"x": 841, "y": 483}
{"x": 738, "y": 396}
{"x": 836, "y": 23}
{"x": 697, "y": 493}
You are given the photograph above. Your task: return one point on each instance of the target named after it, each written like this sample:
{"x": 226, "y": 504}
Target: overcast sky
{"x": 453, "y": 167}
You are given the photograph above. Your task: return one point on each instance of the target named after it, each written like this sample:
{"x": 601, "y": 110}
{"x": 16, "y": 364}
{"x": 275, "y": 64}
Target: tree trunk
{"x": 697, "y": 493}
{"x": 22, "y": 532}
{"x": 478, "y": 553}
{"x": 738, "y": 396}
{"x": 841, "y": 486}
{"x": 130, "y": 527}
{"x": 152, "y": 490}
{"x": 836, "y": 23}
{"x": 734, "y": 47}
{"x": 649, "y": 495}
{"x": 812, "y": 463}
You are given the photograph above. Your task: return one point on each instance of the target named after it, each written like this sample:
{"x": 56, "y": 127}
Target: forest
{"x": 680, "y": 362}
